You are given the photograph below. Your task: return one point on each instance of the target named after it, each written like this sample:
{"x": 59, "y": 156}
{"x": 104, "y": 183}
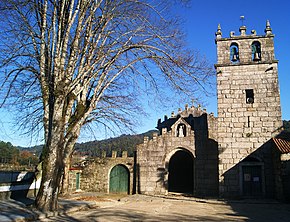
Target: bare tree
{"x": 72, "y": 62}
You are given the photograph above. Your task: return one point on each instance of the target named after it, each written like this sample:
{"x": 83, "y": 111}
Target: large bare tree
{"x": 72, "y": 62}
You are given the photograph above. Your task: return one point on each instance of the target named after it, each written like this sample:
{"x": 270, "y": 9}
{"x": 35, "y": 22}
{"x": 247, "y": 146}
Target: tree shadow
{"x": 13, "y": 211}
{"x": 125, "y": 215}
{"x": 224, "y": 211}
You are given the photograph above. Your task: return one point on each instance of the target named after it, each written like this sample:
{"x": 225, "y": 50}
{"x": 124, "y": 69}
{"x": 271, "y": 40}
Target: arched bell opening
{"x": 256, "y": 51}
{"x": 234, "y": 53}
{"x": 181, "y": 172}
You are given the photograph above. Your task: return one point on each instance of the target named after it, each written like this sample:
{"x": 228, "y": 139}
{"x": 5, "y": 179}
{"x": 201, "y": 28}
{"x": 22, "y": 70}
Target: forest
{"x": 16, "y": 156}
{"x": 29, "y": 156}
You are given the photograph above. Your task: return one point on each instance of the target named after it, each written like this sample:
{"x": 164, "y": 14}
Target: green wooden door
{"x": 77, "y": 181}
{"x": 119, "y": 179}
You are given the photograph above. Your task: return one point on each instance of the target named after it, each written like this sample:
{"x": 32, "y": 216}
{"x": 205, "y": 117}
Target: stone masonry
{"x": 244, "y": 126}
{"x": 95, "y": 175}
{"x": 153, "y": 156}
{"x": 195, "y": 153}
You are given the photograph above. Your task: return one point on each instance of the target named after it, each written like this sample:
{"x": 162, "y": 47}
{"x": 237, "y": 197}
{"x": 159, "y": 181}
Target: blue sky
{"x": 201, "y": 21}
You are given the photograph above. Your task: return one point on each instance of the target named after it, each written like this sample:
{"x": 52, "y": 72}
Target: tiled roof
{"x": 282, "y": 145}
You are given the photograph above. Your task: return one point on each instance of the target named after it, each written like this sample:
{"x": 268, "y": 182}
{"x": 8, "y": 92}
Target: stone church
{"x": 237, "y": 154}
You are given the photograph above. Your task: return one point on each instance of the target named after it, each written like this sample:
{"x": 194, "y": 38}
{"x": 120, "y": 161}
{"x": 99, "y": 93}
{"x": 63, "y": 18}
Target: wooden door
{"x": 119, "y": 179}
{"x": 252, "y": 181}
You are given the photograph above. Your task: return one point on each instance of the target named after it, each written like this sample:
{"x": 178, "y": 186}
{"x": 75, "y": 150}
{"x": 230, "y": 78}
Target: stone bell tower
{"x": 249, "y": 112}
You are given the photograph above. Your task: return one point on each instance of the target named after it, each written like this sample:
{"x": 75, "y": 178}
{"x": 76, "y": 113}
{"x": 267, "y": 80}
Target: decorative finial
{"x": 242, "y": 18}
{"x": 218, "y": 34}
{"x": 254, "y": 32}
{"x": 192, "y": 103}
{"x": 243, "y": 27}
{"x": 268, "y": 24}
{"x": 268, "y": 30}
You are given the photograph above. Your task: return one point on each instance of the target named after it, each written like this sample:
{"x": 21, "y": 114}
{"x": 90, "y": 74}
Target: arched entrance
{"x": 119, "y": 179}
{"x": 181, "y": 175}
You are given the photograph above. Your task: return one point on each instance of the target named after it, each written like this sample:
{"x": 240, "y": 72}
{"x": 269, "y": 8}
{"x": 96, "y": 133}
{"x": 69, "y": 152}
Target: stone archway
{"x": 119, "y": 179}
{"x": 181, "y": 172}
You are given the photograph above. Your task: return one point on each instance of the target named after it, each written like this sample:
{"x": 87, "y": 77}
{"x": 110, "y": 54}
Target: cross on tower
{"x": 242, "y": 18}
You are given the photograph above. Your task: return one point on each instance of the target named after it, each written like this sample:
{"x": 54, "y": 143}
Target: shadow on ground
{"x": 123, "y": 215}
{"x": 262, "y": 211}
{"x": 144, "y": 208}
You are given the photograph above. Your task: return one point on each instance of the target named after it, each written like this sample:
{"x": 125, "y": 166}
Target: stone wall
{"x": 153, "y": 156}
{"x": 95, "y": 175}
{"x": 285, "y": 158}
{"x": 72, "y": 185}
{"x": 153, "y": 159}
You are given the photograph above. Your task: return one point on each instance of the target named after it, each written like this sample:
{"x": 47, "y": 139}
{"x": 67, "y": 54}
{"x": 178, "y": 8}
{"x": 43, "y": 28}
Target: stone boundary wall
{"x": 95, "y": 175}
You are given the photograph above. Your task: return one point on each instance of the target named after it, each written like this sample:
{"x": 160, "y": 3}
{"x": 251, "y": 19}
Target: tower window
{"x": 234, "y": 53}
{"x": 249, "y": 96}
{"x": 256, "y": 51}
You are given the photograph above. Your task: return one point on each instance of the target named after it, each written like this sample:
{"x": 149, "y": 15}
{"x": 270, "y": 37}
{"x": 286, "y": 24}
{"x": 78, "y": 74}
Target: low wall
{"x": 18, "y": 184}
{"x": 95, "y": 176}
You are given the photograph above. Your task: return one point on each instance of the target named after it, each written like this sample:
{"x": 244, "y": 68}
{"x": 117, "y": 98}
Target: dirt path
{"x": 146, "y": 208}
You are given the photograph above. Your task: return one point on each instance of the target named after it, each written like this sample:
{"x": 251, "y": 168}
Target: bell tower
{"x": 249, "y": 112}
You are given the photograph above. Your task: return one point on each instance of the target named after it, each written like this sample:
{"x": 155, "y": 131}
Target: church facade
{"x": 232, "y": 155}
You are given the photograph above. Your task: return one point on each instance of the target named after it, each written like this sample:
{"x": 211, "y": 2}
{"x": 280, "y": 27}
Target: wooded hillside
{"x": 286, "y": 125}
{"x": 9, "y": 153}
{"x": 120, "y": 143}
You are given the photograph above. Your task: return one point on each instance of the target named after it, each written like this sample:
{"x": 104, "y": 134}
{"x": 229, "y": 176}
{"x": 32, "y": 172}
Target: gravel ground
{"x": 148, "y": 208}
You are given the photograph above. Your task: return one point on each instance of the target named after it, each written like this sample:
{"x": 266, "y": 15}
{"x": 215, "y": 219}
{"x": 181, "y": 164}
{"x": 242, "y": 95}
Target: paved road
{"x": 146, "y": 208}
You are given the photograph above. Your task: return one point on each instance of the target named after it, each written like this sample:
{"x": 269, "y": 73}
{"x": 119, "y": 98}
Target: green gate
{"x": 77, "y": 181}
{"x": 119, "y": 179}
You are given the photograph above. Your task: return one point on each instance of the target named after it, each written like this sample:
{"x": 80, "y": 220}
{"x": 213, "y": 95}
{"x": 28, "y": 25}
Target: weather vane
{"x": 242, "y": 18}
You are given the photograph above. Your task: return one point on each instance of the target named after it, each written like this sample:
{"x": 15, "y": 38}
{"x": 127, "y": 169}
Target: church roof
{"x": 282, "y": 145}
{"x": 188, "y": 114}
{"x": 282, "y": 142}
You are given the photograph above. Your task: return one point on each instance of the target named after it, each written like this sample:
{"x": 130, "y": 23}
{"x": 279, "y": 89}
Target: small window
{"x": 249, "y": 96}
{"x": 234, "y": 53}
{"x": 256, "y": 51}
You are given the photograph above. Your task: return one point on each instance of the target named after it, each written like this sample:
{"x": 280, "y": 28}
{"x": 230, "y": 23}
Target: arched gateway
{"x": 119, "y": 179}
{"x": 181, "y": 172}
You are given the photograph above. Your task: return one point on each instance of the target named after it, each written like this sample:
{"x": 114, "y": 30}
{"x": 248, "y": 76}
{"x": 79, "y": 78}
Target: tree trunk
{"x": 56, "y": 163}
{"x": 65, "y": 179}
{"x": 68, "y": 152}
{"x": 52, "y": 171}
{"x": 53, "y": 159}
